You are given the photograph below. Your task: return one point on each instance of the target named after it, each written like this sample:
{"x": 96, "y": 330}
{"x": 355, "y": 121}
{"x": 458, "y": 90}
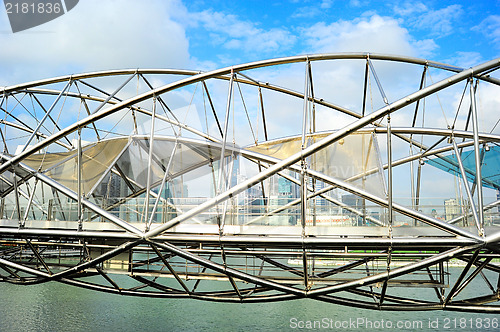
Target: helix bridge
{"x": 359, "y": 179}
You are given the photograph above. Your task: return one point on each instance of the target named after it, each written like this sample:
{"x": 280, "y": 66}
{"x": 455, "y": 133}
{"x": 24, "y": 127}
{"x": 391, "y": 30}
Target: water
{"x": 59, "y": 307}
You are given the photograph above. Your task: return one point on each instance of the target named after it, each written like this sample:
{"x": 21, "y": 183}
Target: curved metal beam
{"x": 323, "y": 143}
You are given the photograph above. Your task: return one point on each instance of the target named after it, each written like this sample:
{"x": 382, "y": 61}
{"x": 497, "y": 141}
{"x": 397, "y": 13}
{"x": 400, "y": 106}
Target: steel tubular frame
{"x": 253, "y": 261}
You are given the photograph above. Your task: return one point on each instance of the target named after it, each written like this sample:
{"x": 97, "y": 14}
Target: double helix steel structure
{"x": 365, "y": 180}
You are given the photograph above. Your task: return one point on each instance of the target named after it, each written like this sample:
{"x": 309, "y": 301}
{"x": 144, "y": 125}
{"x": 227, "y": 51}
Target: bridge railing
{"x": 274, "y": 211}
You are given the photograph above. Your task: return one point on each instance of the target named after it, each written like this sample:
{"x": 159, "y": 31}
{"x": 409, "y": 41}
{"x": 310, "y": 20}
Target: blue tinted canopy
{"x": 490, "y": 169}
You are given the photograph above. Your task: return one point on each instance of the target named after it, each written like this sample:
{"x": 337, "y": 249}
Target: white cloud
{"x": 425, "y": 48}
{"x": 320, "y": 8}
{"x": 355, "y": 3}
{"x": 231, "y": 32}
{"x": 440, "y": 22}
{"x": 325, "y": 4}
{"x": 466, "y": 59}
{"x": 490, "y": 27}
{"x": 97, "y": 35}
{"x": 408, "y": 8}
{"x": 372, "y": 34}
{"x": 306, "y": 12}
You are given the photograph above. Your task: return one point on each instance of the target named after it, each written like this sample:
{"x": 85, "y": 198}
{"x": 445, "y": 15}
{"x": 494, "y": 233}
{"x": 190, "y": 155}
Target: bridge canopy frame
{"x": 272, "y": 180}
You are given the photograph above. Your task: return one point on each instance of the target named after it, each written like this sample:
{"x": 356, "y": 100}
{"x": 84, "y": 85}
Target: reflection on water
{"x": 59, "y": 307}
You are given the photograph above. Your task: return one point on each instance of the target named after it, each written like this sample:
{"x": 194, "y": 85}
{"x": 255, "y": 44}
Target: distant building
{"x": 451, "y": 208}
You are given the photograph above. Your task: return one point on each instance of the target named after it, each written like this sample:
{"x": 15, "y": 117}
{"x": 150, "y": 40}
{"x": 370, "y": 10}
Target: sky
{"x": 203, "y": 35}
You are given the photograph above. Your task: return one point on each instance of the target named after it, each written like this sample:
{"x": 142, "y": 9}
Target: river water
{"x": 59, "y": 307}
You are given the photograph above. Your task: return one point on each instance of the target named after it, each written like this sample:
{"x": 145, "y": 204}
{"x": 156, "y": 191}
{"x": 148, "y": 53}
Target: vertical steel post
{"x": 150, "y": 162}
{"x": 389, "y": 199}
{"x": 417, "y": 189}
{"x": 80, "y": 193}
{"x": 261, "y": 100}
{"x": 5, "y": 148}
{"x": 412, "y": 181}
{"x": 365, "y": 85}
{"x": 303, "y": 186}
{"x": 2, "y": 207}
{"x": 479, "y": 178}
{"x": 312, "y": 127}
{"x": 224, "y": 142}
{"x": 16, "y": 192}
{"x": 389, "y": 173}
{"x": 415, "y": 192}
{"x": 224, "y": 138}
{"x": 303, "y": 180}
{"x": 363, "y": 180}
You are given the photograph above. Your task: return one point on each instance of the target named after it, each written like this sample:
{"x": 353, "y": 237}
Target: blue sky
{"x": 204, "y": 35}
{"x": 110, "y": 34}
{"x": 441, "y": 30}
